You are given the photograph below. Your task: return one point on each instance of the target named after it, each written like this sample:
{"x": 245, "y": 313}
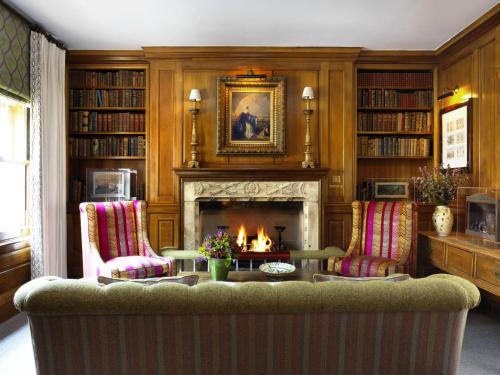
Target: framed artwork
{"x": 251, "y": 115}
{"x": 391, "y": 190}
{"x": 109, "y": 184}
{"x": 456, "y": 136}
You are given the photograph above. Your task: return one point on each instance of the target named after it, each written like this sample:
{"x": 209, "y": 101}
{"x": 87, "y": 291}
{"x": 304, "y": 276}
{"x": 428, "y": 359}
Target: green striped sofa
{"x": 338, "y": 327}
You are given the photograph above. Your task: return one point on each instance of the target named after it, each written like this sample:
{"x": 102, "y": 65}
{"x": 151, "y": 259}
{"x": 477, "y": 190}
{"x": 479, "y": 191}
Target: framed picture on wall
{"x": 456, "y": 136}
{"x": 106, "y": 184}
{"x": 251, "y": 115}
{"x": 391, "y": 190}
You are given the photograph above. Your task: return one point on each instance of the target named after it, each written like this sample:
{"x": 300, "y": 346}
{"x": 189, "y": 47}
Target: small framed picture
{"x": 391, "y": 190}
{"x": 108, "y": 184}
{"x": 456, "y": 136}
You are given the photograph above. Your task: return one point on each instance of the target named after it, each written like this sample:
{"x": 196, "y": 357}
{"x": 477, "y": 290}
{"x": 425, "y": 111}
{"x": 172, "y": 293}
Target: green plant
{"x": 439, "y": 185}
{"x": 220, "y": 245}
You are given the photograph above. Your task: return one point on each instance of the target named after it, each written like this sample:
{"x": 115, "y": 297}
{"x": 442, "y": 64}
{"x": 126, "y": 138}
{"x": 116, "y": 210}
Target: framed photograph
{"x": 391, "y": 190}
{"x": 456, "y": 136}
{"x": 251, "y": 115}
{"x": 109, "y": 184}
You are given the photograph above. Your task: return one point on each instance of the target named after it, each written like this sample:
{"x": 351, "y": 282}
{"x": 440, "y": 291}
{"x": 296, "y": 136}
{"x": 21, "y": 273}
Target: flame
{"x": 242, "y": 238}
{"x": 262, "y": 243}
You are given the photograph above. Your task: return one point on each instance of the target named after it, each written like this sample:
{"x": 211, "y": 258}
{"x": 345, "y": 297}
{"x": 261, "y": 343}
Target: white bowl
{"x": 276, "y": 269}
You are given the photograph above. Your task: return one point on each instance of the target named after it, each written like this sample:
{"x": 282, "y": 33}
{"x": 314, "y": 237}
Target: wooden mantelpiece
{"x": 252, "y": 173}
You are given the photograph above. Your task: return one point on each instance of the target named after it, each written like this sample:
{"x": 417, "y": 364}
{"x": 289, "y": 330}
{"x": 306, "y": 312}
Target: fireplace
{"x": 291, "y": 204}
{"x": 279, "y": 222}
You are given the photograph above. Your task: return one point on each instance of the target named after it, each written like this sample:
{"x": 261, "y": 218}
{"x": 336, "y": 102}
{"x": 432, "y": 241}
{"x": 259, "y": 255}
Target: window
{"x": 14, "y": 164}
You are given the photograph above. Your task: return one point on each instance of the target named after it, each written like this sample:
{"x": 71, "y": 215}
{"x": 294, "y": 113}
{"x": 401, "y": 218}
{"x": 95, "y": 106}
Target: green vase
{"x": 218, "y": 269}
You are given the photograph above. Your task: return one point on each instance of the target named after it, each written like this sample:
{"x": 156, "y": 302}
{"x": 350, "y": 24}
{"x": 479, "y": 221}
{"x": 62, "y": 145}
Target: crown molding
{"x": 324, "y": 53}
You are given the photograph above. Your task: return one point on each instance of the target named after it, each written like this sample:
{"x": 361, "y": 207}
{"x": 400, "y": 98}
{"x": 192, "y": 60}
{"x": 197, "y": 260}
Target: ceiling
{"x": 373, "y": 24}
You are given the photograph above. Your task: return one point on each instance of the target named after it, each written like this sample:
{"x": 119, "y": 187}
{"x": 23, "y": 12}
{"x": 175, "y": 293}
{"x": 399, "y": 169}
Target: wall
{"x": 475, "y": 68}
{"x": 175, "y": 71}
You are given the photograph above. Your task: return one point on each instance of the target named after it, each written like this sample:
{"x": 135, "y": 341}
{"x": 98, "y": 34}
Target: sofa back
{"x": 414, "y": 326}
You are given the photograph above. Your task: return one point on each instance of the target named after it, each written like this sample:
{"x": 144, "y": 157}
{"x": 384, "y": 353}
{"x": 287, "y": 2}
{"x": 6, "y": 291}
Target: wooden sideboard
{"x": 470, "y": 257}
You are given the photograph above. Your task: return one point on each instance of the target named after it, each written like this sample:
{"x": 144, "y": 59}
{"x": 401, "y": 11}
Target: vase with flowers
{"x": 218, "y": 249}
{"x": 439, "y": 186}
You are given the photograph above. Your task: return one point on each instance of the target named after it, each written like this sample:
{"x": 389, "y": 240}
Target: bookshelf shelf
{"x": 398, "y": 109}
{"x": 395, "y": 115}
{"x": 107, "y": 157}
{"x": 107, "y": 109}
{"x": 106, "y": 133}
{"x": 394, "y": 133}
{"x": 396, "y": 157}
{"x": 109, "y": 88}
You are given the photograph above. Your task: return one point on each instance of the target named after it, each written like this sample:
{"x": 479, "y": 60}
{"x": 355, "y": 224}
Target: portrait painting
{"x": 251, "y": 116}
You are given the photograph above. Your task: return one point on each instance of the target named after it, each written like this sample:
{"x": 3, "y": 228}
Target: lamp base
{"x": 308, "y": 164}
{"x": 193, "y": 164}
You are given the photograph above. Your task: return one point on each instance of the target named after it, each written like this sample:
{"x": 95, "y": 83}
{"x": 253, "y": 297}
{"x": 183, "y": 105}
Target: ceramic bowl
{"x": 277, "y": 269}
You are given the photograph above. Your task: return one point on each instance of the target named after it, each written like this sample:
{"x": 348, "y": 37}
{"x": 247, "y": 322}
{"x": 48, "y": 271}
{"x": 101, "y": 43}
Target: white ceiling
{"x": 373, "y": 24}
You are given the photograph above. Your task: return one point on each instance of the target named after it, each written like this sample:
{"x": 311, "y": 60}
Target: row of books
{"x": 85, "y": 121}
{"x": 402, "y": 121}
{"x": 393, "y": 146}
{"x": 120, "y": 78}
{"x": 396, "y": 79}
{"x": 107, "y": 98}
{"x": 365, "y": 191}
{"x": 77, "y": 190}
{"x": 109, "y": 146}
{"x": 394, "y": 98}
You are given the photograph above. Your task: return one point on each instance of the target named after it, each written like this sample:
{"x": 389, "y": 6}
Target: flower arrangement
{"x": 220, "y": 245}
{"x": 439, "y": 185}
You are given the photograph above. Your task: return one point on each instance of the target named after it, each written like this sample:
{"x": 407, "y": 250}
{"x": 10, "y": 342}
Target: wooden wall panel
{"x": 164, "y": 231}
{"x": 475, "y": 69}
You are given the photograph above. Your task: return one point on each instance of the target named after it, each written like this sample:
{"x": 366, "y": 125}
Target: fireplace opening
{"x": 279, "y": 223}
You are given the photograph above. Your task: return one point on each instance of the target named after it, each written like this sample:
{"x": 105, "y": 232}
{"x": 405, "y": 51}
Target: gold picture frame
{"x": 251, "y": 115}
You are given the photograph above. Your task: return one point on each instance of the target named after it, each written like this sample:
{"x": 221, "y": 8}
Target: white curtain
{"x": 48, "y": 159}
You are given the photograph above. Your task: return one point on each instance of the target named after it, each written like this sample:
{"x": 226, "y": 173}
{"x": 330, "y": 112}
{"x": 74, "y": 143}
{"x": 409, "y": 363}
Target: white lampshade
{"x": 308, "y": 93}
{"x": 195, "y": 95}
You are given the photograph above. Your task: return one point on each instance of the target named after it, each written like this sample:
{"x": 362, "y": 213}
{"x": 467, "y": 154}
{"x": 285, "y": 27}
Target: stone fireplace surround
{"x": 307, "y": 192}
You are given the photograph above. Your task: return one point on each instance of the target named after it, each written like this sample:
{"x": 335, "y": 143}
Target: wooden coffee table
{"x": 243, "y": 276}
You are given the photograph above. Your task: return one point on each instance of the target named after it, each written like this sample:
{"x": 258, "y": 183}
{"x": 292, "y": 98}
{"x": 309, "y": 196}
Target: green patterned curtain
{"x": 14, "y": 55}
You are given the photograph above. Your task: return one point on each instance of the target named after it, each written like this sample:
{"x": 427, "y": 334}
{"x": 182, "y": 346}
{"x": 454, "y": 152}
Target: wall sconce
{"x": 448, "y": 92}
{"x": 308, "y": 95}
{"x": 194, "y": 96}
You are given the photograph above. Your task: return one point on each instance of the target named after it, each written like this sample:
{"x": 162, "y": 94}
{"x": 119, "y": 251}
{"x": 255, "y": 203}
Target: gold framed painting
{"x": 251, "y": 115}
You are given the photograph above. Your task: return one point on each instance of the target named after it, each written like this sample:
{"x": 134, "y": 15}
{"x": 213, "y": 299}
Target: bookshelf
{"x": 394, "y": 125}
{"x": 107, "y": 123}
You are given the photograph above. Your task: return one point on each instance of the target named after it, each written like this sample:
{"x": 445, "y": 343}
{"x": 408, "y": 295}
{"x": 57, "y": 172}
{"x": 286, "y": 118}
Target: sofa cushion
{"x": 318, "y": 278}
{"x": 189, "y": 280}
{"x": 138, "y": 267}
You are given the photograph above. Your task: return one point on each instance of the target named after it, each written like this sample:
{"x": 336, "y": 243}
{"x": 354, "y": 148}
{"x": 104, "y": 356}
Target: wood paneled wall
{"x": 174, "y": 72}
{"x": 15, "y": 270}
{"x": 475, "y": 69}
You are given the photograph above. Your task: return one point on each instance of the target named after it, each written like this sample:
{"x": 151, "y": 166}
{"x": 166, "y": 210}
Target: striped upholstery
{"x": 115, "y": 241}
{"x": 316, "y": 343}
{"x": 382, "y": 240}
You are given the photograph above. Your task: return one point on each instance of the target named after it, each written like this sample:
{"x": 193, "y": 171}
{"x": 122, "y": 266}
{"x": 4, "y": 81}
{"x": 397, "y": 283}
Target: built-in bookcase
{"x": 394, "y": 125}
{"x": 107, "y": 121}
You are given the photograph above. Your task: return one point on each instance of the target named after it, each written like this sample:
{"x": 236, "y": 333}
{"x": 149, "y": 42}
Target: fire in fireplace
{"x": 261, "y": 243}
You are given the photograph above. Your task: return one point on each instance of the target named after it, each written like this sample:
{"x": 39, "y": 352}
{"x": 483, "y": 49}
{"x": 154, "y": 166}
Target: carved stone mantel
{"x": 308, "y": 192}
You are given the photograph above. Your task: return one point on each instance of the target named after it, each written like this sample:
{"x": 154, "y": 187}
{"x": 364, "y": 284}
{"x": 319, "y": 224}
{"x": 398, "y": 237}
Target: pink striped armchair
{"x": 383, "y": 240}
{"x": 115, "y": 242}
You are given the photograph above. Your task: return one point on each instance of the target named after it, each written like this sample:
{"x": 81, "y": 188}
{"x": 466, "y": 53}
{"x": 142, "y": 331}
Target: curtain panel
{"x": 48, "y": 159}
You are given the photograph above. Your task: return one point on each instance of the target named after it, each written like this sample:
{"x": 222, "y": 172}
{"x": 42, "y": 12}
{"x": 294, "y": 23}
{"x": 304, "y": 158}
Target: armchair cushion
{"x": 138, "y": 267}
{"x": 365, "y": 266}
